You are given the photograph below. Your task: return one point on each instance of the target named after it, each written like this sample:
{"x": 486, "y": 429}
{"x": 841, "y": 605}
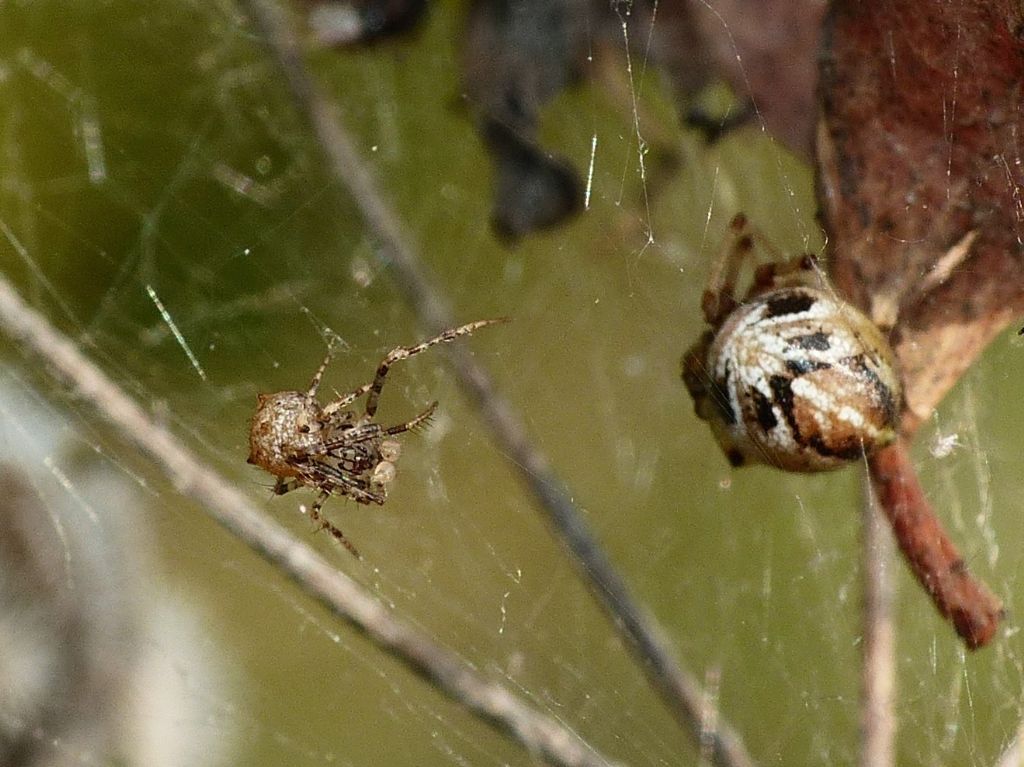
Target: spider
{"x": 333, "y": 450}
{"x": 791, "y": 376}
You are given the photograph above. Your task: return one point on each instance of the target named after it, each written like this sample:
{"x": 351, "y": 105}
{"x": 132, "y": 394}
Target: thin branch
{"x": 678, "y": 687}
{"x": 342, "y": 596}
{"x": 877, "y": 715}
{"x": 961, "y": 598}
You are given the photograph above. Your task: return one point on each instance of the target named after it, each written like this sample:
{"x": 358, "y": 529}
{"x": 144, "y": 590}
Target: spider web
{"x": 162, "y": 204}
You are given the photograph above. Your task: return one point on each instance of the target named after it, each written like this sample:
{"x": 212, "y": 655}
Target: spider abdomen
{"x": 285, "y": 425}
{"x": 802, "y": 381}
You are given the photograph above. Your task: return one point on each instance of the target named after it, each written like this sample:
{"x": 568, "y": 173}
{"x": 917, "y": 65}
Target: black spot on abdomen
{"x": 782, "y": 393}
{"x": 890, "y": 408}
{"x": 763, "y": 411}
{"x": 802, "y": 367}
{"x": 845, "y": 451}
{"x": 791, "y": 302}
{"x": 812, "y": 341}
{"x": 720, "y": 396}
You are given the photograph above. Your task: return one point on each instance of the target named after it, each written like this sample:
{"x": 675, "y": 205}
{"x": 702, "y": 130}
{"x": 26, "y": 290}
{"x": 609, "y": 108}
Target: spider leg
{"x": 283, "y": 485}
{"x": 404, "y": 352}
{"x": 314, "y": 385}
{"x": 411, "y": 425}
{"x": 348, "y": 399}
{"x": 325, "y": 524}
{"x": 331, "y": 478}
{"x": 719, "y": 297}
{"x": 353, "y": 435}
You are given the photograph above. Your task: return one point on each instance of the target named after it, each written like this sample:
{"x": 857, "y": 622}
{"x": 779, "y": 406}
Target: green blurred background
{"x": 152, "y": 148}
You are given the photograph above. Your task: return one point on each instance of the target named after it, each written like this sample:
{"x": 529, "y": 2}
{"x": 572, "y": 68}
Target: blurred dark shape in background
{"x": 518, "y": 55}
{"x": 67, "y": 636}
{"x": 92, "y": 652}
{"x": 356, "y": 22}
{"x": 533, "y": 189}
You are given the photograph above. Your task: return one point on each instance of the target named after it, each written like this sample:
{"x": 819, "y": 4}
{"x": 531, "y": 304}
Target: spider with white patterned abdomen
{"x": 790, "y": 375}
{"x": 333, "y": 450}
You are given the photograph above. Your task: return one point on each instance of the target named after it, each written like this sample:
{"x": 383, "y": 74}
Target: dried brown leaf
{"x": 920, "y": 178}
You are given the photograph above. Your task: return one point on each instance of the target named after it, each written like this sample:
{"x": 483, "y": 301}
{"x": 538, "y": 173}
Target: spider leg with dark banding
{"x": 405, "y": 352}
{"x": 348, "y": 399}
{"x": 325, "y": 524}
{"x": 412, "y": 425}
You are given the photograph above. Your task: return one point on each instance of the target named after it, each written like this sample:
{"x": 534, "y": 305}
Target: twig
{"x": 877, "y": 717}
{"x": 346, "y": 599}
{"x": 974, "y": 611}
{"x": 678, "y": 687}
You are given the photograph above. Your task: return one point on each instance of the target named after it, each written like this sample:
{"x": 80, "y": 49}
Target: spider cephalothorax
{"x": 331, "y": 449}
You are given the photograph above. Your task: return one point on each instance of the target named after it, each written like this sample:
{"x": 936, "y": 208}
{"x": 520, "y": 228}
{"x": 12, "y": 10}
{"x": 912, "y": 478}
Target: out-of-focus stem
{"x": 878, "y": 682}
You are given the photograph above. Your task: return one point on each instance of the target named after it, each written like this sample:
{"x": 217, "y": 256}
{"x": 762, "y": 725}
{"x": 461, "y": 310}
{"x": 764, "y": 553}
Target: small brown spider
{"x": 333, "y": 450}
